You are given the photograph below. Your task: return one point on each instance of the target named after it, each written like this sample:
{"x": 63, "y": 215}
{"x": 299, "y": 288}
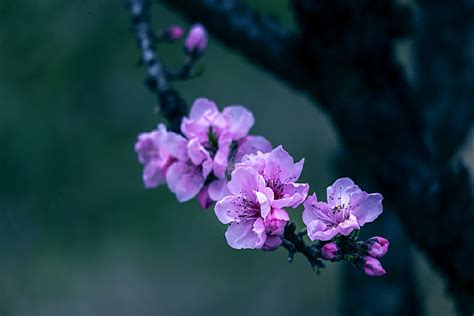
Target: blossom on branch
{"x": 196, "y": 42}
{"x": 260, "y": 187}
{"x": 347, "y": 208}
{"x": 201, "y": 159}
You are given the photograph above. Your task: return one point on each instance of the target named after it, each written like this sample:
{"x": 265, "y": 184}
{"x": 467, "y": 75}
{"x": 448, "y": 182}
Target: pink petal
{"x": 153, "y": 174}
{"x": 240, "y": 121}
{"x": 276, "y": 221}
{"x": 272, "y": 243}
{"x": 207, "y": 166}
{"x": 228, "y": 209}
{"x": 293, "y": 195}
{"x": 347, "y": 226}
{"x": 218, "y": 190}
{"x": 264, "y": 203}
{"x": 244, "y": 181}
{"x": 242, "y": 235}
{"x": 259, "y": 229}
{"x": 200, "y": 107}
{"x": 317, "y": 230}
{"x": 195, "y": 129}
{"x": 147, "y": 146}
{"x": 250, "y": 145}
{"x": 340, "y": 192}
{"x": 221, "y": 159}
{"x": 255, "y": 161}
{"x": 314, "y": 210}
{"x": 280, "y": 165}
{"x": 297, "y": 170}
{"x": 184, "y": 180}
{"x": 196, "y": 152}
{"x": 308, "y": 214}
{"x": 175, "y": 145}
{"x": 368, "y": 208}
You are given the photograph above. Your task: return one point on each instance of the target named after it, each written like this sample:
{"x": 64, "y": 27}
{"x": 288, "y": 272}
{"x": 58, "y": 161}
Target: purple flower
{"x": 348, "y": 208}
{"x": 155, "y": 158}
{"x": 186, "y": 176}
{"x": 280, "y": 173}
{"x": 213, "y": 142}
{"x": 373, "y": 267}
{"x": 212, "y": 135}
{"x": 259, "y": 188}
{"x": 330, "y": 251}
{"x": 377, "y": 247}
{"x": 196, "y": 41}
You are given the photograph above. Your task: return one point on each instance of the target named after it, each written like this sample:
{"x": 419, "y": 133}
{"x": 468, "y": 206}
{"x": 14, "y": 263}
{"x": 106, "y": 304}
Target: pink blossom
{"x": 252, "y": 145}
{"x": 155, "y": 158}
{"x": 205, "y": 120}
{"x": 377, "y": 247}
{"x": 196, "y": 41}
{"x": 280, "y": 173}
{"x": 348, "y": 208}
{"x": 258, "y": 192}
{"x": 186, "y": 176}
{"x": 214, "y": 133}
{"x": 330, "y": 251}
{"x": 373, "y": 267}
{"x": 212, "y": 142}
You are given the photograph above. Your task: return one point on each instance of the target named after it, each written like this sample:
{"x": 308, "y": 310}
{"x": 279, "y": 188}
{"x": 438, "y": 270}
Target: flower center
{"x": 341, "y": 213}
{"x": 249, "y": 209}
{"x": 277, "y": 188}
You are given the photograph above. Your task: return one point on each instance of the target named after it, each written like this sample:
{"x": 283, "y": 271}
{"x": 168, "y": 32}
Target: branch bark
{"x": 445, "y": 71}
{"x": 172, "y": 105}
{"x": 343, "y": 57}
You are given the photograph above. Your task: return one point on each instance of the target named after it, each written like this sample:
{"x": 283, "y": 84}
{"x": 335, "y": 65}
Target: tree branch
{"x": 445, "y": 71}
{"x": 344, "y": 59}
{"x": 172, "y": 106}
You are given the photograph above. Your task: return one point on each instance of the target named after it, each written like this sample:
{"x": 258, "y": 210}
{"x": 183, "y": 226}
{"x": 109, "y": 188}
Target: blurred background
{"x": 78, "y": 232}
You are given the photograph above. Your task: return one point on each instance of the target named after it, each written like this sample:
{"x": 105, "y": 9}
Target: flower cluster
{"x": 347, "y": 208}
{"x": 215, "y": 159}
{"x": 199, "y": 161}
{"x": 260, "y": 188}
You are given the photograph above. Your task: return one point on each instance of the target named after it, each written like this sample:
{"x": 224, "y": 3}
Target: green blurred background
{"x": 80, "y": 235}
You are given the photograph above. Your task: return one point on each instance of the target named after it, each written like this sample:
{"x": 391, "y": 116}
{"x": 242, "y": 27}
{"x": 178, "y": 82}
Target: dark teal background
{"x": 79, "y": 235}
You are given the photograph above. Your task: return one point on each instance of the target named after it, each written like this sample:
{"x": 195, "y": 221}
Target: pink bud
{"x": 204, "y": 199}
{"x": 174, "y": 32}
{"x": 196, "y": 41}
{"x": 373, "y": 267}
{"x": 377, "y": 246}
{"x": 330, "y": 251}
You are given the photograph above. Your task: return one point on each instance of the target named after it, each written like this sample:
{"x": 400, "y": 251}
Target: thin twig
{"x": 172, "y": 105}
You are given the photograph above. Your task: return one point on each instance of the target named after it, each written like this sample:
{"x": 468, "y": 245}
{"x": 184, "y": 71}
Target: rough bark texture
{"x": 343, "y": 57}
{"x": 172, "y": 105}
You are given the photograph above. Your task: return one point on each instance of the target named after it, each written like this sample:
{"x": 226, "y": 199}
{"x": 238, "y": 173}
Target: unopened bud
{"x": 196, "y": 41}
{"x": 330, "y": 251}
{"x": 373, "y": 267}
{"x": 377, "y": 247}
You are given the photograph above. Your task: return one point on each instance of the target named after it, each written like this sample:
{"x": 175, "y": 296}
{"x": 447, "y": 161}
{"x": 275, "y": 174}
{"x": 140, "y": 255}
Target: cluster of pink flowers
{"x": 254, "y": 185}
{"x": 260, "y": 187}
{"x": 347, "y": 208}
{"x": 199, "y": 161}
